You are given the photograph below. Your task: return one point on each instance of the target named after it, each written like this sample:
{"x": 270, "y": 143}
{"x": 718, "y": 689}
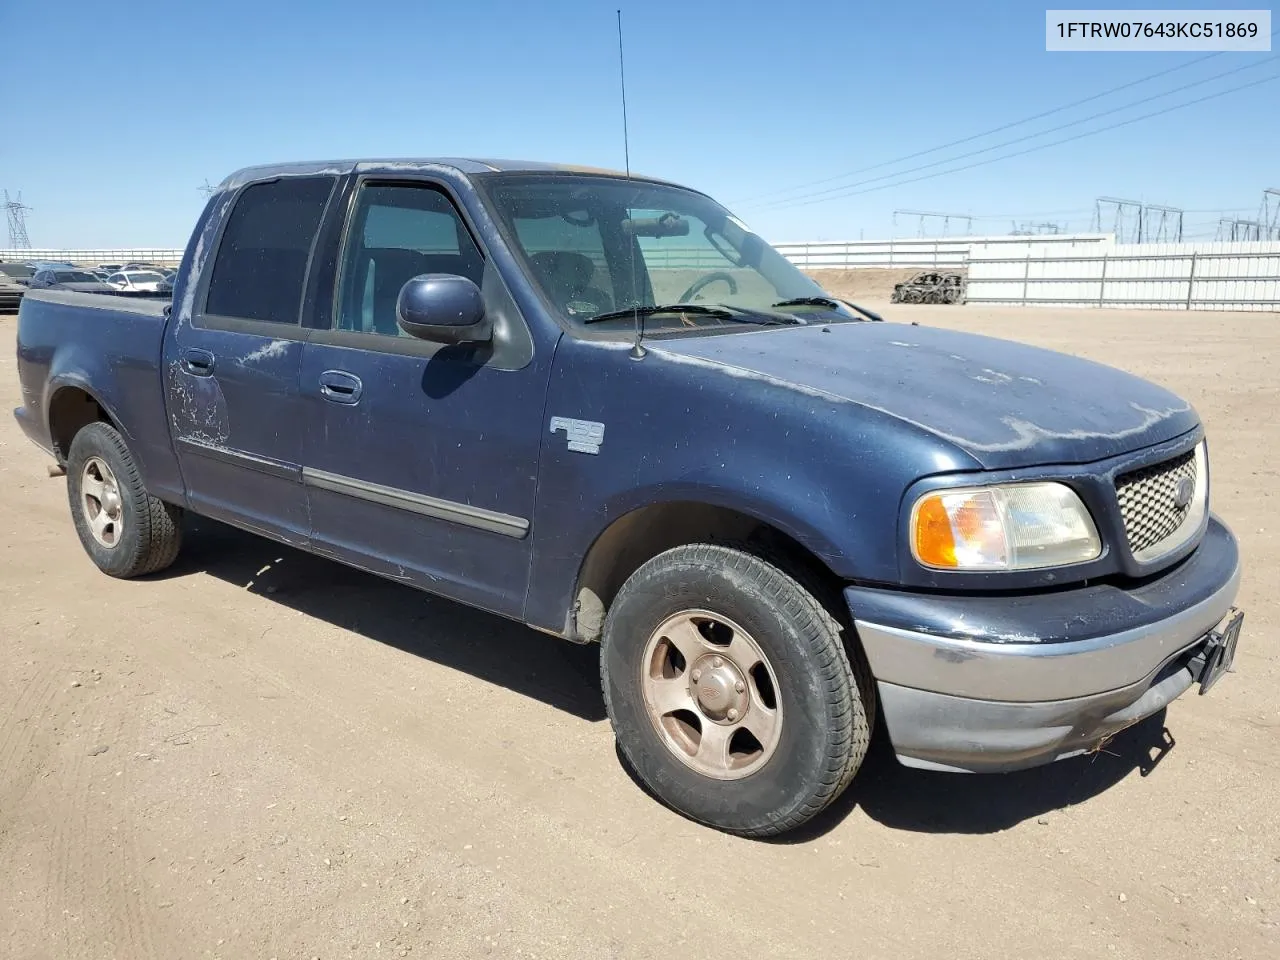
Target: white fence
{"x": 1182, "y": 276}
{"x": 1078, "y": 270}
{"x": 953, "y": 252}
{"x": 92, "y": 257}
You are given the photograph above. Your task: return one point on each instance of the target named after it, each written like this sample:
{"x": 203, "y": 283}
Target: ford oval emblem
{"x": 1183, "y": 493}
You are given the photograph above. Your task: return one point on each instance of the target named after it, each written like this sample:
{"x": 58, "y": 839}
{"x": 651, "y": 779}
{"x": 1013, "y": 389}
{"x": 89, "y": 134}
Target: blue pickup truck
{"x": 600, "y": 405}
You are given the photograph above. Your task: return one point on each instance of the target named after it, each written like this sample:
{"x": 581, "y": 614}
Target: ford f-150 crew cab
{"x": 602, "y": 406}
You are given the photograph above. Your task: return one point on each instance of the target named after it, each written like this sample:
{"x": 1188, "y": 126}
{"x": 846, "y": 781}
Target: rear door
{"x": 231, "y": 374}
{"x": 420, "y": 460}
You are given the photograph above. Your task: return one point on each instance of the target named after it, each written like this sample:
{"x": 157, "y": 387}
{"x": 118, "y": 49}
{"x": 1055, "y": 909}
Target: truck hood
{"x": 1003, "y": 403}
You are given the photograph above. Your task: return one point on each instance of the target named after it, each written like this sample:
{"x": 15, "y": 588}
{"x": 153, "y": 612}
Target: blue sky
{"x": 121, "y": 116}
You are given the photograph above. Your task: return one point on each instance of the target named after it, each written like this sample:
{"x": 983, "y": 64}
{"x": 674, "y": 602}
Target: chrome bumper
{"x": 1053, "y": 678}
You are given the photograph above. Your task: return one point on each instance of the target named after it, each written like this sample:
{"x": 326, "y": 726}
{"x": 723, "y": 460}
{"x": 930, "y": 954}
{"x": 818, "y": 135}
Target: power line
{"x": 1042, "y": 146}
{"x": 993, "y": 130}
{"x": 1030, "y": 136}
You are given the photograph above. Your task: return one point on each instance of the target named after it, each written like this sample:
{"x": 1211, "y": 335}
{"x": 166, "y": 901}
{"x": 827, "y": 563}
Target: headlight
{"x": 1019, "y": 526}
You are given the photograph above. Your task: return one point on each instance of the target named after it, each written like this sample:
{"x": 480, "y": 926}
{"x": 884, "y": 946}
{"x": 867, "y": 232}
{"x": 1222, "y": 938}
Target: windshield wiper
{"x": 719, "y": 311}
{"x": 832, "y": 302}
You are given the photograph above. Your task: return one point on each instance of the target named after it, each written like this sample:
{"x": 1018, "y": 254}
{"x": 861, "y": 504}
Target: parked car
{"x": 17, "y": 272}
{"x": 83, "y": 281}
{"x": 111, "y": 267}
{"x": 779, "y": 517}
{"x": 136, "y": 281}
{"x": 38, "y": 265}
{"x": 14, "y": 281}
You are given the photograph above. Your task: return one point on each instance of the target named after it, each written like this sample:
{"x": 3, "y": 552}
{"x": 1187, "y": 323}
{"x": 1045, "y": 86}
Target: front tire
{"x": 776, "y": 723}
{"x": 126, "y": 531}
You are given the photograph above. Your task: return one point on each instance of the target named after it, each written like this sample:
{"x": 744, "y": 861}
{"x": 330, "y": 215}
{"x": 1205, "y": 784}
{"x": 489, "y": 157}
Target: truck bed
{"x": 101, "y": 345}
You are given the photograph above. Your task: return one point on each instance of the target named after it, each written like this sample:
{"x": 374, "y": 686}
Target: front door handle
{"x": 197, "y": 362}
{"x": 338, "y": 386}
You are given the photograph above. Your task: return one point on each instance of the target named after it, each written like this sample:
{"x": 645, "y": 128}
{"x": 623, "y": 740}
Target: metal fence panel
{"x": 923, "y": 252}
{"x": 94, "y": 256}
{"x": 1182, "y": 276}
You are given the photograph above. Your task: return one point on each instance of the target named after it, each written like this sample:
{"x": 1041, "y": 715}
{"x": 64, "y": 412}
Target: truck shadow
{"x": 924, "y": 801}
{"x": 491, "y": 648}
{"x": 566, "y": 676}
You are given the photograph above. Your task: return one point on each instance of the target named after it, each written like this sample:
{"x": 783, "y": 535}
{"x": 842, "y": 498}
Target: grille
{"x": 1148, "y": 501}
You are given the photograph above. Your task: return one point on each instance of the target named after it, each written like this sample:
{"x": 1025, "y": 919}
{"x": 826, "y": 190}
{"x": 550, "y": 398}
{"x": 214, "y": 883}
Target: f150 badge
{"x": 585, "y": 436}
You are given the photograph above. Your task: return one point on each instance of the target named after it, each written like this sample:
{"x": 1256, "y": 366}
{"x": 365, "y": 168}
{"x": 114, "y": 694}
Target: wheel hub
{"x": 719, "y": 689}
{"x": 711, "y": 694}
{"x": 101, "y": 502}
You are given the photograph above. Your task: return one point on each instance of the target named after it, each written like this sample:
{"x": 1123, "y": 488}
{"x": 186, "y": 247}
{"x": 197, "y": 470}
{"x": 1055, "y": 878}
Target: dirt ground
{"x": 262, "y": 754}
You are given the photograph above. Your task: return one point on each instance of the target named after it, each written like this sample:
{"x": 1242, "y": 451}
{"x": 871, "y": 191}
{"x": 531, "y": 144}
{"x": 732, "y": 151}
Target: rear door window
{"x": 261, "y": 265}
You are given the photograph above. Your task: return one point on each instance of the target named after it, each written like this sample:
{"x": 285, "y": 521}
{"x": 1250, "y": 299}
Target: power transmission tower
{"x": 1160, "y": 224}
{"x": 1269, "y": 217}
{"x": 1122, "y": 217}
{"x": 1234, "y": 229}
{"x": 1045, "y": 228}
{"x": 16, "y": 213}
{"x": 207, "y": 188}
{"x": 928, "y": 216}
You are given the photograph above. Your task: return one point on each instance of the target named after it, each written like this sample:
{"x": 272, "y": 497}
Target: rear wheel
{"x": 126, "y": 531}
{"x": 730, "y": 691}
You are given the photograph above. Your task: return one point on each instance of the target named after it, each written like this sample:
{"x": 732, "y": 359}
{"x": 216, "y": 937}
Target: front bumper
{"x": 989, "y": 683}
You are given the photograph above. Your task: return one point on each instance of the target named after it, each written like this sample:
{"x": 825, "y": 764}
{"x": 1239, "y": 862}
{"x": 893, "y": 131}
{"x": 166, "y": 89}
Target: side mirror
{"x": 443, "y": 307}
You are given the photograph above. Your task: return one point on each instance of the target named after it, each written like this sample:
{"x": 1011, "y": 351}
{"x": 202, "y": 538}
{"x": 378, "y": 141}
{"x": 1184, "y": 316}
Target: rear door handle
{"x": 197, "y": 362}
{"x": 338, "y": 386}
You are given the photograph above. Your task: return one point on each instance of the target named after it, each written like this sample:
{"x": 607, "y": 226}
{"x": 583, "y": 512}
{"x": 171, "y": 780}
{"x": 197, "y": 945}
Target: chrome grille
{"x": 1148, "y": 501}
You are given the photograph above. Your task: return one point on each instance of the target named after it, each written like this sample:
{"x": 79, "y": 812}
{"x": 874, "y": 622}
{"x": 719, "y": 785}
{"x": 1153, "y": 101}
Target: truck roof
{"x": 463, "y": 165}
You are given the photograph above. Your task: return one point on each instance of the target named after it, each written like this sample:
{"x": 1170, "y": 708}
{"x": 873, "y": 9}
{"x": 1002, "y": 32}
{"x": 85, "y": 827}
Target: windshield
{"x": 596, "y": 245}
{"x": 74, "y": 276}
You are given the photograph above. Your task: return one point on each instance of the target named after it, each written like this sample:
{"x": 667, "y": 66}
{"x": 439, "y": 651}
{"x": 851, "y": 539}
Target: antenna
{"x": 637, "y": 350}
{"x": 622, "y": 76}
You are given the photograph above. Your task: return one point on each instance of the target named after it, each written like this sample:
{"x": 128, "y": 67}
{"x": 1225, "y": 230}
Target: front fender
{"x": 805, "y": 516}
{"x": 828, "y": 474}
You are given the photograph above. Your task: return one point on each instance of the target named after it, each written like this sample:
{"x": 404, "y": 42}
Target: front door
{"x": 231, "y": 372}
{"x": 420, "y": 460}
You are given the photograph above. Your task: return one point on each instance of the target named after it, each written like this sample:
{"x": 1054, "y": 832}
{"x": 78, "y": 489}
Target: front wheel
{"x": 126, "y": 531}
{"x": 730, "y": 690}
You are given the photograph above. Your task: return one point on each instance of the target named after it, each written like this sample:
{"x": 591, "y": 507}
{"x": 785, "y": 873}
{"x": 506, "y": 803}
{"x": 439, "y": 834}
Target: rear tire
{"x": 126, "y": 531}
{"x": 768, "y": 657}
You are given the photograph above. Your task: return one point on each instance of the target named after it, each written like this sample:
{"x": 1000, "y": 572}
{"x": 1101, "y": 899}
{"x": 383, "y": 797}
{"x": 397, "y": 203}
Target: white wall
{"x": 1167, "y": 276}
{"x": 1083, "y": 269}
{"x": 953, "y": 252}
{"x": 91, "y": 256}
